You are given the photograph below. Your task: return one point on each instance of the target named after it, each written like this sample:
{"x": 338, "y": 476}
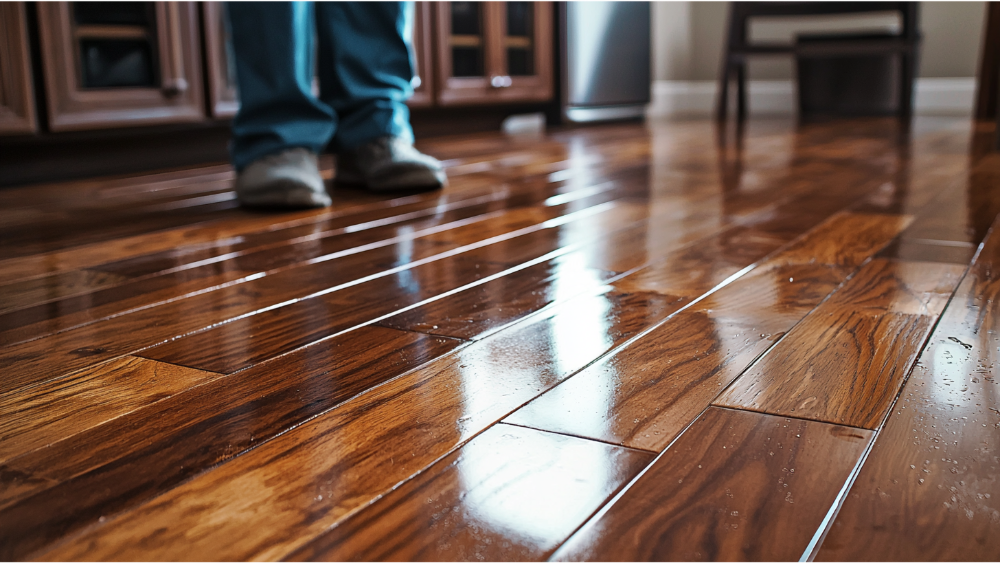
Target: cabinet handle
{"x": 172, "y": 81}
{"x": 499, "y": 81}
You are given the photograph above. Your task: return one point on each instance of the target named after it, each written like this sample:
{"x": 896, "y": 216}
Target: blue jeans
{"x": 364, "y": 68}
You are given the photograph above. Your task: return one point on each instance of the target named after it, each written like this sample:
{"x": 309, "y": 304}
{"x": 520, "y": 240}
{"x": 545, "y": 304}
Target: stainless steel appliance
{"x": 605, "y": 60}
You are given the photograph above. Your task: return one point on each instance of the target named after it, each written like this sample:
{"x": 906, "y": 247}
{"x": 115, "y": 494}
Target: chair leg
{"x": 907, "y": 74}
{"x": 741, "y": 91}
{"x": 722, "y": 108}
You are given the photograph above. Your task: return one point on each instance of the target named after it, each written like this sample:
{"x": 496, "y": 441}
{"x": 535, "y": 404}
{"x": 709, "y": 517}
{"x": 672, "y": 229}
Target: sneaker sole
{"x": 409, "y": 181}
{"x": 284, "y": 198}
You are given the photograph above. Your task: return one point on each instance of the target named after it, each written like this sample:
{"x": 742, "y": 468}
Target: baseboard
{"x": 672, "y": 98}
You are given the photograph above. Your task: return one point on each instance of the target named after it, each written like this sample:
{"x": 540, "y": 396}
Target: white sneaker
{"x": 286, "y": 180}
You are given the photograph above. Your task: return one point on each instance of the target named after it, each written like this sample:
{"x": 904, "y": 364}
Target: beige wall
{"x": 688, "y": 38}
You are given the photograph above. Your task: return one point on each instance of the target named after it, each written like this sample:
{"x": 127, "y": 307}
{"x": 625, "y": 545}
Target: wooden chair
{"x": 739, "y": 49}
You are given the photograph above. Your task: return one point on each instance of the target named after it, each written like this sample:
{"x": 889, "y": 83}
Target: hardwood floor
{"x": 618, "y": 342}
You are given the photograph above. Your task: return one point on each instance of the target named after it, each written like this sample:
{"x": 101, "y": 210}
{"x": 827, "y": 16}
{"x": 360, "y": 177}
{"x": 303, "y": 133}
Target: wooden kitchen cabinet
{"x": 17, "y": 108}
{"x": 115, "y": 64}
{"x": 493, "y": 52}
{"x": 220, "y": 65}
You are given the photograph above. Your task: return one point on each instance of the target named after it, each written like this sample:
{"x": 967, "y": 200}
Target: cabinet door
{"x": 527, "y": 51}
{"x": 17, "y": 108}
{"x": 223, "y": 101}
{"x": 115, "y": 64}
{"x": 494, "y": 52}
{"x": 423, "y": 85}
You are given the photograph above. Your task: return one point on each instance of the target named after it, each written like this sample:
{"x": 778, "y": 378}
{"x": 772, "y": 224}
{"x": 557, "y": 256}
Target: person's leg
{"x": 280, "y": 127}
{"x": 273, "y": 43}
{"x": 365, "y": 68}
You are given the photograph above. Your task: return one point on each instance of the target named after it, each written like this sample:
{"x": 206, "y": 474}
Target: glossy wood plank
{"x": 365, "y": 447}
{"x": 243, "y": 342}
{"x": 218, "y": 265}
{"x": 850, "y": 239}
{"x": 219, "y": 229}
{"x": 928, "y": 490}
{"x": 927, "y": 250}
{"x": 645, "y": 394}
{"x": 692, "y": 271}
{"x": 482, "y": 309}
{"x": 27, "y": 292}
{"x": 48, "y": 413}
{"x": 510, "y": 494}
{"x": 127, "y": 334}
{"x": 320, "y": 402}
{"x": 268, "y": 252}
{"x": 846, "y": 361}
{"x": 134, "y": 457}
{"x": 735, "y": 486}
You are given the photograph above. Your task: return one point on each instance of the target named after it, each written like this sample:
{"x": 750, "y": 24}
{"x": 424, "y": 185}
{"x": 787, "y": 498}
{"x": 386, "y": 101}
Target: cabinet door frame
{"x": 179, "y": 99}
{"x": 17, "y": 98}
{"x": 224, "y": 100}
{"x": 423, "y": 47}
{"x": 537, "y": 87}
{"x": 453, "y": 91}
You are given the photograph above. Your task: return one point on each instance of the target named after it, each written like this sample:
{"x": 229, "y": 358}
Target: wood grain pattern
{"x": 127, "y": 334}
{"x": 133, "y": 458}
{"x": 341, "y": 461}
{"x": 645, "y": 394}
{"x": 846, "y": 361}
{"x": 850, "y": 239}
{"x": 582, "y": 258}
{"x": 510, "y": 494}
{"x": 279, "y": 330}
{"x": 695, "y": 270}
{"x": 251, "y": 255}
{"x": 482, "y": 309}
{"x": 44, "y": 414}
{"x": 735, "y": 486}
{"x": 928, "y": 490}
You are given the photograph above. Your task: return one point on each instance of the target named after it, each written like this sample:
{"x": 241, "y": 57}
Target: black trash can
{"x": 847, "y": 85}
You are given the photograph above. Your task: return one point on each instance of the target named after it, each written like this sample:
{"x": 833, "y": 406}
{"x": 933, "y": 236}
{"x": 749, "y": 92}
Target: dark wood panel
{"x": 847, "y": 360}
{"x": 17, "y": 99}
{"x": 341, "y": 461}
{"x": 736, "y": 486}
{"x": 511, "y": 494}
{"x": 130, "y": 459}
{"x": 645, "y": 394}
{"x": 928, "y": 489}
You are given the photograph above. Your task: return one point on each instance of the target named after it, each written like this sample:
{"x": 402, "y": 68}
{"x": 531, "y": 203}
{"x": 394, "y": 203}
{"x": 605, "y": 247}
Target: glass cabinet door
{"x": 466, "y": 40}
{"x": 111, "y": 64}
{"x": 494, "y": 52}
{"x": 519, "y": 39}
